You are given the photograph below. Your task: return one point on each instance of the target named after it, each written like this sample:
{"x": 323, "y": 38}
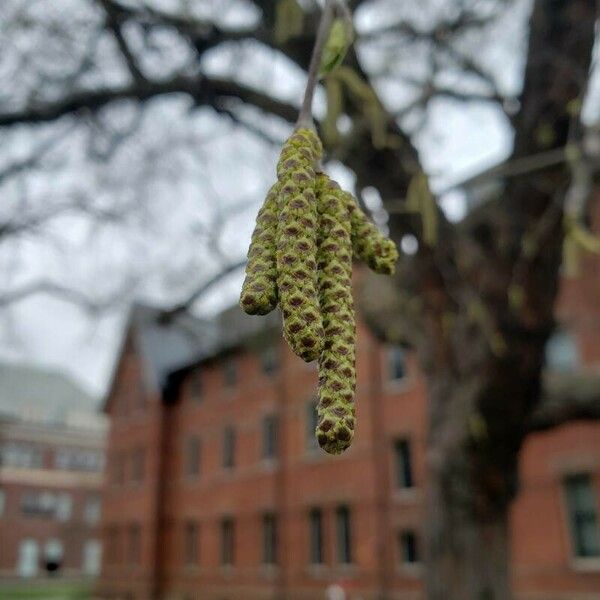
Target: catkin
{"x": 369, "y": 244}
{"x": 337, "y": 374}
{"x": 259, "y": 291}
{"x": 297, "y": 244}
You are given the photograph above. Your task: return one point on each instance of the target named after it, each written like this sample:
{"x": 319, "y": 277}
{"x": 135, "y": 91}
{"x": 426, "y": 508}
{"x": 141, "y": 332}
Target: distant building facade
{"x": 216, "y": 490}
{"x": 51, "y": 476}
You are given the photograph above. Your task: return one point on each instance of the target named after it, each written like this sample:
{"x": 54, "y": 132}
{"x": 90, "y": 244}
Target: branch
{"x": 203, "y": 90}
{"x": 202, "y": 289}
{"x": 567, "y": 398}
{"x": 114, "y": 21}
{"x": 57, "y": 290}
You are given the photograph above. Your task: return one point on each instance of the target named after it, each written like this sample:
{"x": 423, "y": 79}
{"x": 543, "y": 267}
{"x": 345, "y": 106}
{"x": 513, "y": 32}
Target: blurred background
{"x": 157, "y": 443}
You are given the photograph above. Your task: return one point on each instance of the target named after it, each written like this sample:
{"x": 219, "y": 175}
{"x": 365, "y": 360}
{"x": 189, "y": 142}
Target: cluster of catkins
{"x": 306, "y": 234}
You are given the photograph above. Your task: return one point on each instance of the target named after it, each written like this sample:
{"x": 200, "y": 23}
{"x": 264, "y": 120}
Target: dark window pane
{"x": 316, "y": 536}
{"x": 269, "y": 539}
{"x": 135, "y": 544}
{"x": 230, "y": 372}
{"x": 193, "y": 456}
{"x": 269, "y": 360}
{"x": 196, "y": 386}
{"x": 583, "y": 516}
{"x": 227, "y": 542}
{"x": 137, "y": 464}
{"x": 270, "y": 428}
{"x": 311, "y": 425}
{"x": 191, "y": 543}
{"x": 229, "y": 448}
{"x": 403, "y": 464}
{"x": 344, "y": 536}
{"x": 397, "y": 363}
{"x": 408, "y": 547}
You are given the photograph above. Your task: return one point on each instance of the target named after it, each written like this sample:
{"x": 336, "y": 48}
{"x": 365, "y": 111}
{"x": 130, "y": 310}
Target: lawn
{"x": 45, "y": 591}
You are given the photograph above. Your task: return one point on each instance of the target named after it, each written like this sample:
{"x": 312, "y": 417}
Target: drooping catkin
{"x": 369, "y": 244}
{"x": 297, "y": 244}
{"x": 259, "y": 291}
{"x": 337, "y": 374}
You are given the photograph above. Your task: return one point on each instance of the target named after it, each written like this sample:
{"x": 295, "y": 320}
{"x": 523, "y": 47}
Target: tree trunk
{"x": 467, "y": 553}
{"x": 466, "y": 529}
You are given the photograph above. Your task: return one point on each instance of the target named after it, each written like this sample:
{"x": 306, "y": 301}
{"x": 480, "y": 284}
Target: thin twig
{"x": 305, "y": 118}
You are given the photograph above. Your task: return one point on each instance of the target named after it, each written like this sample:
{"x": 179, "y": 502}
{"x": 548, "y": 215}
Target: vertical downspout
{"x": 380, "y": 468}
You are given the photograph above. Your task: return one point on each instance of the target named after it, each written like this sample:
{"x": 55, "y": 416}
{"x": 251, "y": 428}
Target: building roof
{"x": 42, "y": 395}
{"x": 173, "y": 344}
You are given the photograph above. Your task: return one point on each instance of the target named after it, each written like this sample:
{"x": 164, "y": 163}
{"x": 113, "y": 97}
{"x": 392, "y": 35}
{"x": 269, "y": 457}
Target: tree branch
{"x": 567, "y": 398}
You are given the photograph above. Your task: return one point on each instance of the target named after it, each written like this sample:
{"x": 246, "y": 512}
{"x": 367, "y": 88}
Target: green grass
{"x": 45, "y": 591}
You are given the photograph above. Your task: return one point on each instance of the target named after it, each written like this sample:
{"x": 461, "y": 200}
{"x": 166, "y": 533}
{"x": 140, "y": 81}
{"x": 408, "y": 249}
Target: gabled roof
{"x": 172, "y": 345}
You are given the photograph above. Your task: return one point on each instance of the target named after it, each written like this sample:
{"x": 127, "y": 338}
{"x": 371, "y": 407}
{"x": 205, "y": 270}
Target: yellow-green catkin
{"x": 297, "y": 244}
{"x": 337, "y": 374}
{"x": 259, "y": 291}
{"x": 379, "y": 253}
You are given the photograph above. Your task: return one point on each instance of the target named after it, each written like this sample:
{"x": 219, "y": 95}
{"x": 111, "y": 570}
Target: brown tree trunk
{"x": 467, "y": 553}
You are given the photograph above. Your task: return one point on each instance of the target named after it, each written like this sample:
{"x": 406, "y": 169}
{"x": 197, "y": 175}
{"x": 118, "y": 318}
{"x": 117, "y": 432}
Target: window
{"x": 561, "y": 352}
{"x": 311, "y": 425}
{"x": 135, "y": 544}
{"x": 137, "y": 465}
{"x": 403, "y": 464}
{"x": 583, "y": 517}
{"x": 118, "y": 468}
{"x": 316, "y": 536}
{"x": 269, "y": 539}
{"x": 344, "y": 536}
{"x": 270, "y": 428}
{"x": 64, "y": 504}
{"x": 396, "y": 363}
{"x": 21, "y": 455}
{"x": 230, "y": 372}
{"x": 409, "y": 552}
{"x": 29, "y": 552}
{"x": 193, "y": 456}
{"x": 191, "y": 536}
{"x": 92, "y": 558}
{"x": 2, "y": 502}
{"x": 53, "y": 555}
{"x": 113, "y": 554}
{"x": 227, "y": 541}
{"x": 269, "y": 360}
{"x": 46, "y": 505}
{"x": 92, "y": 510}
{"x": 229, "y": 448}
{"x": 78, "y": 459}
{"x": 196, "y": 386}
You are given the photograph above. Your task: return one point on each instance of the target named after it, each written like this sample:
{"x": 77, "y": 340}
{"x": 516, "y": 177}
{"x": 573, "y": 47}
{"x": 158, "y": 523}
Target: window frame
{"x": 403, "y": 464}
{"x": 269, "y": 539}
{"x": 316, "y": 537}
{"x": 191, "y": 543}
{"x": 270, "y": 437}
{"x": 573, "y": 534}
{"x": 193, "y": 462}
{"x": 390, "y": 375}
{"x": 229, "y": 447}
{"x": 343, "y": 535}
{"x": 227, "y": 542}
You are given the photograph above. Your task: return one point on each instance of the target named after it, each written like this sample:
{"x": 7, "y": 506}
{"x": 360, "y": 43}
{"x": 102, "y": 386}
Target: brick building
{"x": 50, "y": 498}
{"x": 216, "y": 490}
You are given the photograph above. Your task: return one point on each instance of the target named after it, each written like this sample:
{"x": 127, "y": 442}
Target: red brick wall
{"x": 300, "y": 479}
